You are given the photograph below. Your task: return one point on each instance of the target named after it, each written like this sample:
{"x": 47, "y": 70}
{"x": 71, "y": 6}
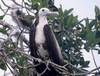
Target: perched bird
{"x": 43, "y": 43}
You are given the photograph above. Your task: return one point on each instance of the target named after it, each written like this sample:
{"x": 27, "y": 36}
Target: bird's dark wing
{"x": 32, "y": 45}
{"x": 53, "y": 46}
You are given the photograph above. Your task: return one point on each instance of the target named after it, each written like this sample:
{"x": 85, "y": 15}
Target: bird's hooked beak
{"x": 53, "y": 13}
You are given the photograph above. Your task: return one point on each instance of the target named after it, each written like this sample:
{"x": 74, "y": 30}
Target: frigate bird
{"x": 43, "y": 43}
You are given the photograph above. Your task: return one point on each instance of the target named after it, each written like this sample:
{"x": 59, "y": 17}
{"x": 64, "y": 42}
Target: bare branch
{"x": 94, "y": 59}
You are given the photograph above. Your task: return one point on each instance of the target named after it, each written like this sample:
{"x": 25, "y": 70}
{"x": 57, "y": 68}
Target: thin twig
{"x": 6, "y": 4}
{"x": 94, "y": 59}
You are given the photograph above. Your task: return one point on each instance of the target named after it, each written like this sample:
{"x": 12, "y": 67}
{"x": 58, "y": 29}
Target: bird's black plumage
{"x": 32, "y": 45}
{"x": 52, "y": 46}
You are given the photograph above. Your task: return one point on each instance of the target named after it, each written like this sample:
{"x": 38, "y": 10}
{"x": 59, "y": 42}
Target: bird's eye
{"x": 42, "y": 9}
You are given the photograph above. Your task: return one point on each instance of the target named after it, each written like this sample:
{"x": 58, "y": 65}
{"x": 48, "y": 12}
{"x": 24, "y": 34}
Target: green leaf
{"x": 61, "y": 15}
{"x": 85, "y": 64}
{"x": 75, "y": 20}
{"x": 97, "y": 34}
{"x": 70, "y": 10}
{"x": 97, "y": 40}
{"x": 44, "y": 3}
{"x": 87, "y": 23}
{"x": 21, "y": 60}
{"x": 82, "y": 34}
{"x": 81, "y": 60}
{"x": 97, "y": 11}
{"x": 90, "y": 37}
{"x": 87, "y": 48}
{"x": 2, "y": 65}
{"x": 23, "y": 72}
{"x": 65, "y": 19}
{"x": 92, "y": 23}
{"x": 3, "y": 30}
{"x": 67, "y": 12}
{"x": 69, "y": 21}
{"x": 1, "y": 17}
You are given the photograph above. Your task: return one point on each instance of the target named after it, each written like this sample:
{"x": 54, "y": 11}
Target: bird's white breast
{"x": 39, "y": 36}
{"x": 40, "y": 40}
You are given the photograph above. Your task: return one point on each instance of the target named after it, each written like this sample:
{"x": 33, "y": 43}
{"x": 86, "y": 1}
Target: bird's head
{"x": 46, "y": 12}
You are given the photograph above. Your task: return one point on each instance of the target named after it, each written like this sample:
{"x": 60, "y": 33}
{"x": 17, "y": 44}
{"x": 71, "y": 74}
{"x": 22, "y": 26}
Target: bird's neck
{"x": 43, "y": 20}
